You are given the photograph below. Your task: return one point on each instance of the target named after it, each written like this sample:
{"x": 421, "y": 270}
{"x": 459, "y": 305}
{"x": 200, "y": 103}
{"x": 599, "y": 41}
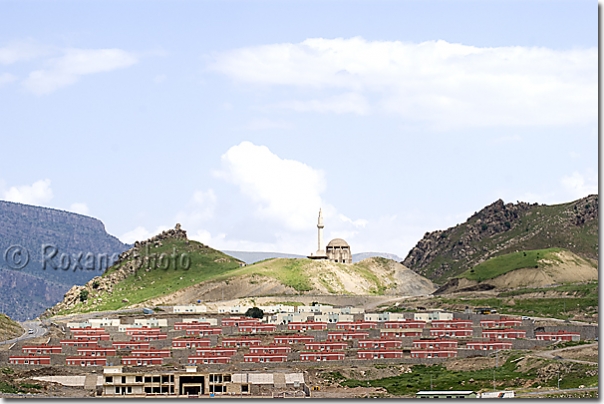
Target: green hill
{"x": 149, "y": 270}
{"x": 507, "y": 228}
{"x": 170, "y": 268}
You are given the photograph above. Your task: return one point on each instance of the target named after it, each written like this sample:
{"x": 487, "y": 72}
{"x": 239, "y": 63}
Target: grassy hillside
{"x": 8, "y": 328}
{"x": 136, "y": 279}
{"x": 493, "y": 267}
{"x": 505, "y": 228}
{"x": 146, "y": 283}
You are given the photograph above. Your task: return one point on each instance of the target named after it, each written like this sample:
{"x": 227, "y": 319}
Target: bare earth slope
{"x": 372, "y": 276}
{"x": 568, "y": 268}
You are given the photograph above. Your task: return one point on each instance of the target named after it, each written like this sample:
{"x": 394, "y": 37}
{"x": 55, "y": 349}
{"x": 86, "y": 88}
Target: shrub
{"x": 254, "y": 312}
{"x": 83, "y": 295}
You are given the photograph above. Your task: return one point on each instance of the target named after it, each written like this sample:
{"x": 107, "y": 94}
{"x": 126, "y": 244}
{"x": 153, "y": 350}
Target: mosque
{"x": 337, "y": 249}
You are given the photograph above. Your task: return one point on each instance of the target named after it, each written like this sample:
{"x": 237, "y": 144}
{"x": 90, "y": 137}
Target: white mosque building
{"x": 337, "y": 250}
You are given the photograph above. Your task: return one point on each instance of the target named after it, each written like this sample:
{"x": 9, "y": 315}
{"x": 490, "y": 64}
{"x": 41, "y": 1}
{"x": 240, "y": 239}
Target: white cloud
{"x": 21, "y": 51}
{"x": 38, "y": 193}
{"x": 356, "y": 223}
{"x": 140, "y": 233}
{"x": 75, "y": 63}
{"x": 339, "y": 104}
{"x": 508, "y": 139}
{"x": 6, "y": 78}
{"x": 441, "y": 83}
{"x": 79, "y": 207}
{"x": 579, "y": 185}
{"x": 286, "y": 191}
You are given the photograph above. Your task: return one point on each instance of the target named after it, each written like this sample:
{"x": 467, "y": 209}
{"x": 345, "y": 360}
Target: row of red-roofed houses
{"x": 434, "y": 348}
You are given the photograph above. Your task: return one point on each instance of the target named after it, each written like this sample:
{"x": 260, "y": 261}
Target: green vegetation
{"x": 502, "y": 264}
{"x": 149, "y": 281}
{"x": 83, "y": 295}
{"x": 531, "y": 227}
{"x": 254, "y": 312}
{"x": 562, "y": 308}
{"x": 423, "y": 377}
{"x": 589, "y": 289}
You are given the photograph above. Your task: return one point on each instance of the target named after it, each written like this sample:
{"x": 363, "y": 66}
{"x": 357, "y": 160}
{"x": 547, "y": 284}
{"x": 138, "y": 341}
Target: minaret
{"x": 320, "y": 227}
{"x": 320, "y": 254}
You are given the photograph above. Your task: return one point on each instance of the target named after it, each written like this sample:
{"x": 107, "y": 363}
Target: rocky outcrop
{"x": 501, "y": 228}
{"x": 126, "y": 265}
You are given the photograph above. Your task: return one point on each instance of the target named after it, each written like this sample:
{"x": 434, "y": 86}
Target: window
{"x": 109, "y": 379}
{"x": 123, "y": 379}
{"x": 138, "y": 379}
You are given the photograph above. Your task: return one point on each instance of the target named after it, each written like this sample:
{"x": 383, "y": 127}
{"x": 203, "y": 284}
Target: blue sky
{"x": 240, "y": 119}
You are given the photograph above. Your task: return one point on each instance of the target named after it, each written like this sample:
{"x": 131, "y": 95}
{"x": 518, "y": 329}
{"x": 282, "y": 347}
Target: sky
{"x": 240, "y": 119}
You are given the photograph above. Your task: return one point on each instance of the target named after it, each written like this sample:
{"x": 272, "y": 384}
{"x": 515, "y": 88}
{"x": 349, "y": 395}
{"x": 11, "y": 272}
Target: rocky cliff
{"x": 501, "y": 228}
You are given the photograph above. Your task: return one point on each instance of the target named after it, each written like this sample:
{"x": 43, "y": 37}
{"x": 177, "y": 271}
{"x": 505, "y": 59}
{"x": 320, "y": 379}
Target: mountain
{"x": 505, "y": 228}
{"x": 250, "y": 257}
{"x": 190, "y": 270}
{"x": 9, "y": 329}
{"x": 44, "y": 252}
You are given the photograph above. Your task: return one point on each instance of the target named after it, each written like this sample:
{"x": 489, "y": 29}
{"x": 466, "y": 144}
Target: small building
{"x": 331, "y": 318}
{"x": 212, "y": 321}
{"x": 400, "y": 333}
{"x": 181, "y": 325}
{"x": 293, "y": 339}
{"x": 451, "y": 332}
{"x": 405, "y": 324}
{"x": 42, "y": 349}
{"x": 315, "y": 309}
{"x": 151, "y": 322}
{"x": 493, "y": 345}
{"x": 277, "y": 308}
{"x": 190, "y": 308}
{"x": 270, "y": 349}
{"x": 503, "y": 322}
{"x": 338, "y": 250}
{"x": 433, "y": 315}
{"x": 256, "y": 328}
{"x": 452, "y": 324}
{"x": 148, "y": 337}
{"x": 77, "y": 342}
{"x": 92, "y": 337}
{"x": 238, "y": 321}
{"x": 508, "y": 333}
{"x": 204, "y": 331}
{"x": 307, "y": 325}
{"x": 190, "y": 342}
{"x": 142, "y": 331}
{"x": 346, "y": 335}
{"x": 322, "y": 356}
{"x": 241, "y": 341}
{"x": 208, "y": 360}
{"x": 96, "y": 351}
{"x": 86, "y": 360}
{"x": 252, "y": 357}
{"x": 87, "y": 330}
{"x": 104, "y": 322}
{"x": 151, "y": 352}
{"x": 29, "y": 360}
{"x": 446, "y": 394}
{"x": 356, "y": 325}
{"x": 434, "y": 353}
{"x": 379, "y": 354}
{"x": 380, "y": 343}
{"x": 130, "y": 344}
{"x": 326, "y": 346}
{"x": 558, "y": 336}
{"x": 435, "y": 344}
{"x": 384, "y": 316}
{"x": 142, "y": 360}
{"x": 216, "y": 351}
